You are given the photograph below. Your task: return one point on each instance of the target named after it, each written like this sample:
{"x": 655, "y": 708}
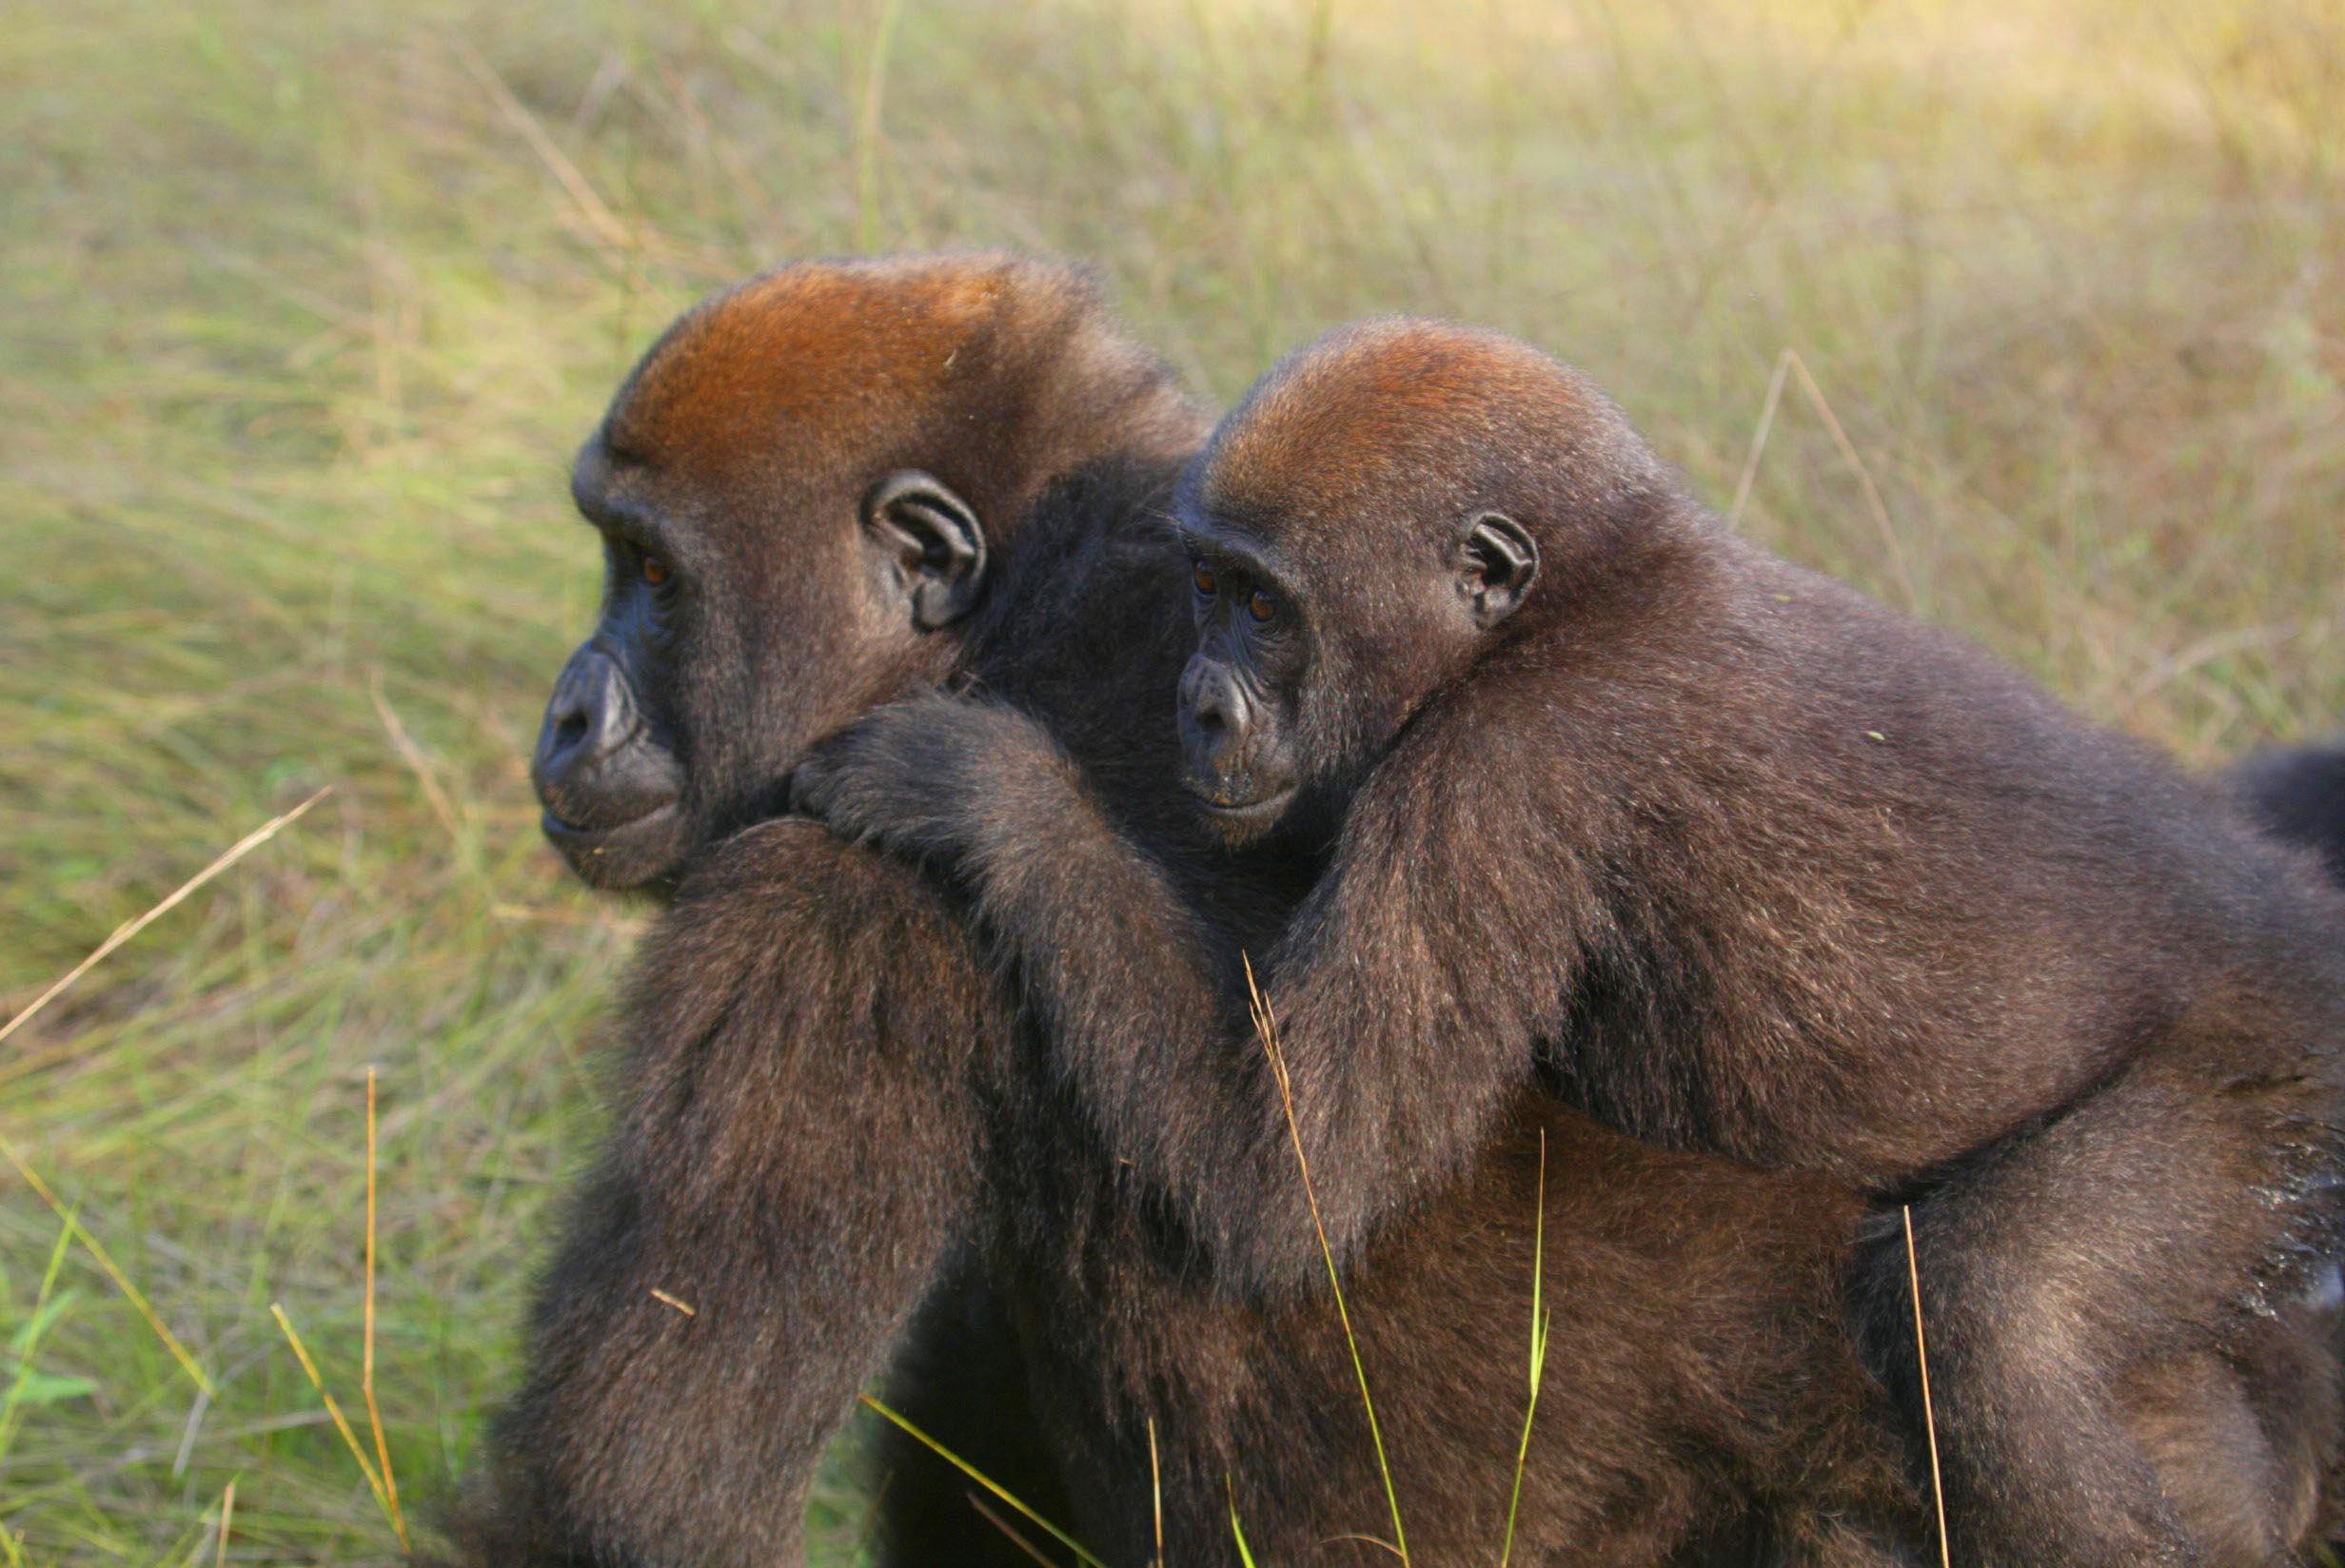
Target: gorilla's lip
{"x": 602, "y": 855}
{"x": 564, "y": 831}
{"x": 1260, "y": 808}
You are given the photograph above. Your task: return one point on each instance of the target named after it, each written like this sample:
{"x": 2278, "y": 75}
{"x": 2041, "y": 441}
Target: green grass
{"x": 303, "y": 309}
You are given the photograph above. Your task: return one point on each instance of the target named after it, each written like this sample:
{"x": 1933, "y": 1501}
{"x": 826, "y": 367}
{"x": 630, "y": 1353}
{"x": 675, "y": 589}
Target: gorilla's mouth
{"x": 1259, "y": 811}
{"x": 620, "y": 854}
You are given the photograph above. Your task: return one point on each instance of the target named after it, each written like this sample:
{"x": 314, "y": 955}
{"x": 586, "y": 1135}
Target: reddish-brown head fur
{"x": 1008, "y": 365}
{"x": 1360, "y": 474}
{"x": 744, "y": 471}
{"x": 1419, "y": 425}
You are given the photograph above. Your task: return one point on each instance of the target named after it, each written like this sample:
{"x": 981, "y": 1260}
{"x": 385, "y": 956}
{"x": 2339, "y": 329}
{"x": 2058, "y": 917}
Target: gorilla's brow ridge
{"x": 1221, "y": 543}
{"x": 622, "y": 515}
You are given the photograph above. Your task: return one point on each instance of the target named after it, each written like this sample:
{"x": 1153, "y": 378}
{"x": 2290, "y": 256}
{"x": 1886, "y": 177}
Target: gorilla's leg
{"x": 2068, "y": 1264}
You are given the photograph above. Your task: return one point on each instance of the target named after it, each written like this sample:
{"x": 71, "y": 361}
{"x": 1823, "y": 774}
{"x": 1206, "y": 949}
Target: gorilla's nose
{"x": 1219, "y": 717}
{"x": 590, "y": 720}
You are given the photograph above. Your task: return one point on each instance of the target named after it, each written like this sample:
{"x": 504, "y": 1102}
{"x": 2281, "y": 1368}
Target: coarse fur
{"x": 1616, "y": 803}
{"x": 826, "y": 1114}
{"x": 797, "y": 1152}
{"x": 2300, "y": 794}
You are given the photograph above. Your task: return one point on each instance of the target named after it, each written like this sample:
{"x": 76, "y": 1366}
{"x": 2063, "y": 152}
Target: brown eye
{"x": 1203, "y": 576}
{"x": 1260, "y": 605}
{"x": 655, "y": 570}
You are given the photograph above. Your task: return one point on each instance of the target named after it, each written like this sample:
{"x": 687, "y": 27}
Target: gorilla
{"x": 1599, "y": 798}
{"x": 807, "y": 497}
{"x": 837, "y": 1134}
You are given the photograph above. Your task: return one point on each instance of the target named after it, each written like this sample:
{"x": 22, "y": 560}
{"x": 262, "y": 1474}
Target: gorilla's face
{"x": 780, "y": 553}
{"x": 610, "y": 760}
{"x": 675, "y": 721}
{"x": 1303, "y": 673}
{"x": 770, "y": 569}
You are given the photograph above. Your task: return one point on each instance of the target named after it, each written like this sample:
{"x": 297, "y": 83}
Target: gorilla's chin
{"x": 632, "y": 855}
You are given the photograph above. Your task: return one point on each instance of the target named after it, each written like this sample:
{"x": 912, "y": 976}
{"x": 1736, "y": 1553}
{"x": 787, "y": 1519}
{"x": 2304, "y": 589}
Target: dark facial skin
{"x": 1244, "y": 752}
{"x": 606, "y": 768}
{"x": 641, "y": 758}
{"x": 1236, "y": 714}
{"x": 1736, "y": 862}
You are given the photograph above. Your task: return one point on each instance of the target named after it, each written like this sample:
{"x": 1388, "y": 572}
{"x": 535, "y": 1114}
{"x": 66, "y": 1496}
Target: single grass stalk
{"x": 342, "y": 1424}
{"x": 1759, "y": 436}
{"x": 1003, "y": 1525}
{"x": 868, "y": 123}
{"x": 1540, "y": 1318}
{"x": 128, "y": 929}
{"x": 985, "y": 1481}
{"x": 106, "y": 1260}
{"x": 1155, "y": 1489}
{"x": 366, "y": 1361}
{"x": 1321, "y": 40}
{"x": 1864, "y": 477}
{"x": 227, "y": 1513}
{"x": 608, "y": 230}
{"x": 1245, "y": 1553}
{"x": 412, "y": 755}
{"x": 35, "y": 1327}
{"x": 1265, "y": 1026}
{"x": 1929, "y": 1418}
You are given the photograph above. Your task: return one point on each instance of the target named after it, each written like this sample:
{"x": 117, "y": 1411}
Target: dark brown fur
{"x": 1739, "y": 862}
{"x": 798, "y": 1148}
{"x": 2299, "y": 795}
{"x": 825, "y": 1114}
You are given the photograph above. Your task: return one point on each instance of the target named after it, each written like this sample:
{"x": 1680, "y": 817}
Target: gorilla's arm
{"x": 1399, "y": 1056}
{"x": 795, "y": 1162}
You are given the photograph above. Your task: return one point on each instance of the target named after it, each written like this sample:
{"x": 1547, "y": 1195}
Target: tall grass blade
{"x": 1026, "y": 1548}
{"x": 1265, "y": 1026}
{"x": 367, "y": 1364}
{"x": 868, "y": 123}
{"x": 105, "y": 1262}
{"x": 342, "y": 1424}
{"x": 29, "y": 1338}
{"x": 227, "y": 1515}
{"x": 985, "y": 1481}
{"x": 1758, "y": 437}
{"x": 1237, "y": 1531}
{"x": 128, "y": 929}
{"x": 1929, "y": 1417}
{"x": 1155, "y": 1489}
{"x": 1539, "y": 1319}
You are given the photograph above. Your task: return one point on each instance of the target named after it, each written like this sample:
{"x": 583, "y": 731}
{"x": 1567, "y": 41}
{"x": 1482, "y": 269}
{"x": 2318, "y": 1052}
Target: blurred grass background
{"x": 304, "y": 306}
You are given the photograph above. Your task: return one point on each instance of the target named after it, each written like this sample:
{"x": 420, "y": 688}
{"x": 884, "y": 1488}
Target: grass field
{"x": 303, "y": 309}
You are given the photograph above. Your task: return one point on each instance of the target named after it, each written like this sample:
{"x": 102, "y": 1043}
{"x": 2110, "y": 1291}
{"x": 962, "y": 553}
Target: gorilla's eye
{"x": 1260, "y": 605}
{"x": 1202, "y": 575}
{"x": 655, "y": 570}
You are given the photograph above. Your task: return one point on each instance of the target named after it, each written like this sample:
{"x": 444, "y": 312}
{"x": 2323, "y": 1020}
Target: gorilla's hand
{"x": 932, "y": 777}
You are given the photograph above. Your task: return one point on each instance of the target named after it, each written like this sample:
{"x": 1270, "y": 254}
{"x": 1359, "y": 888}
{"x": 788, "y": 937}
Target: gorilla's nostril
{"x": 589, "y": 722}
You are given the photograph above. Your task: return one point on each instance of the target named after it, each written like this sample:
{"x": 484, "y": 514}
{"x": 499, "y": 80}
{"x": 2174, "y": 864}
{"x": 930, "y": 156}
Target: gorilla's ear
{"x": 930, "y": 544}
{"x": 1499, "y": 562}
